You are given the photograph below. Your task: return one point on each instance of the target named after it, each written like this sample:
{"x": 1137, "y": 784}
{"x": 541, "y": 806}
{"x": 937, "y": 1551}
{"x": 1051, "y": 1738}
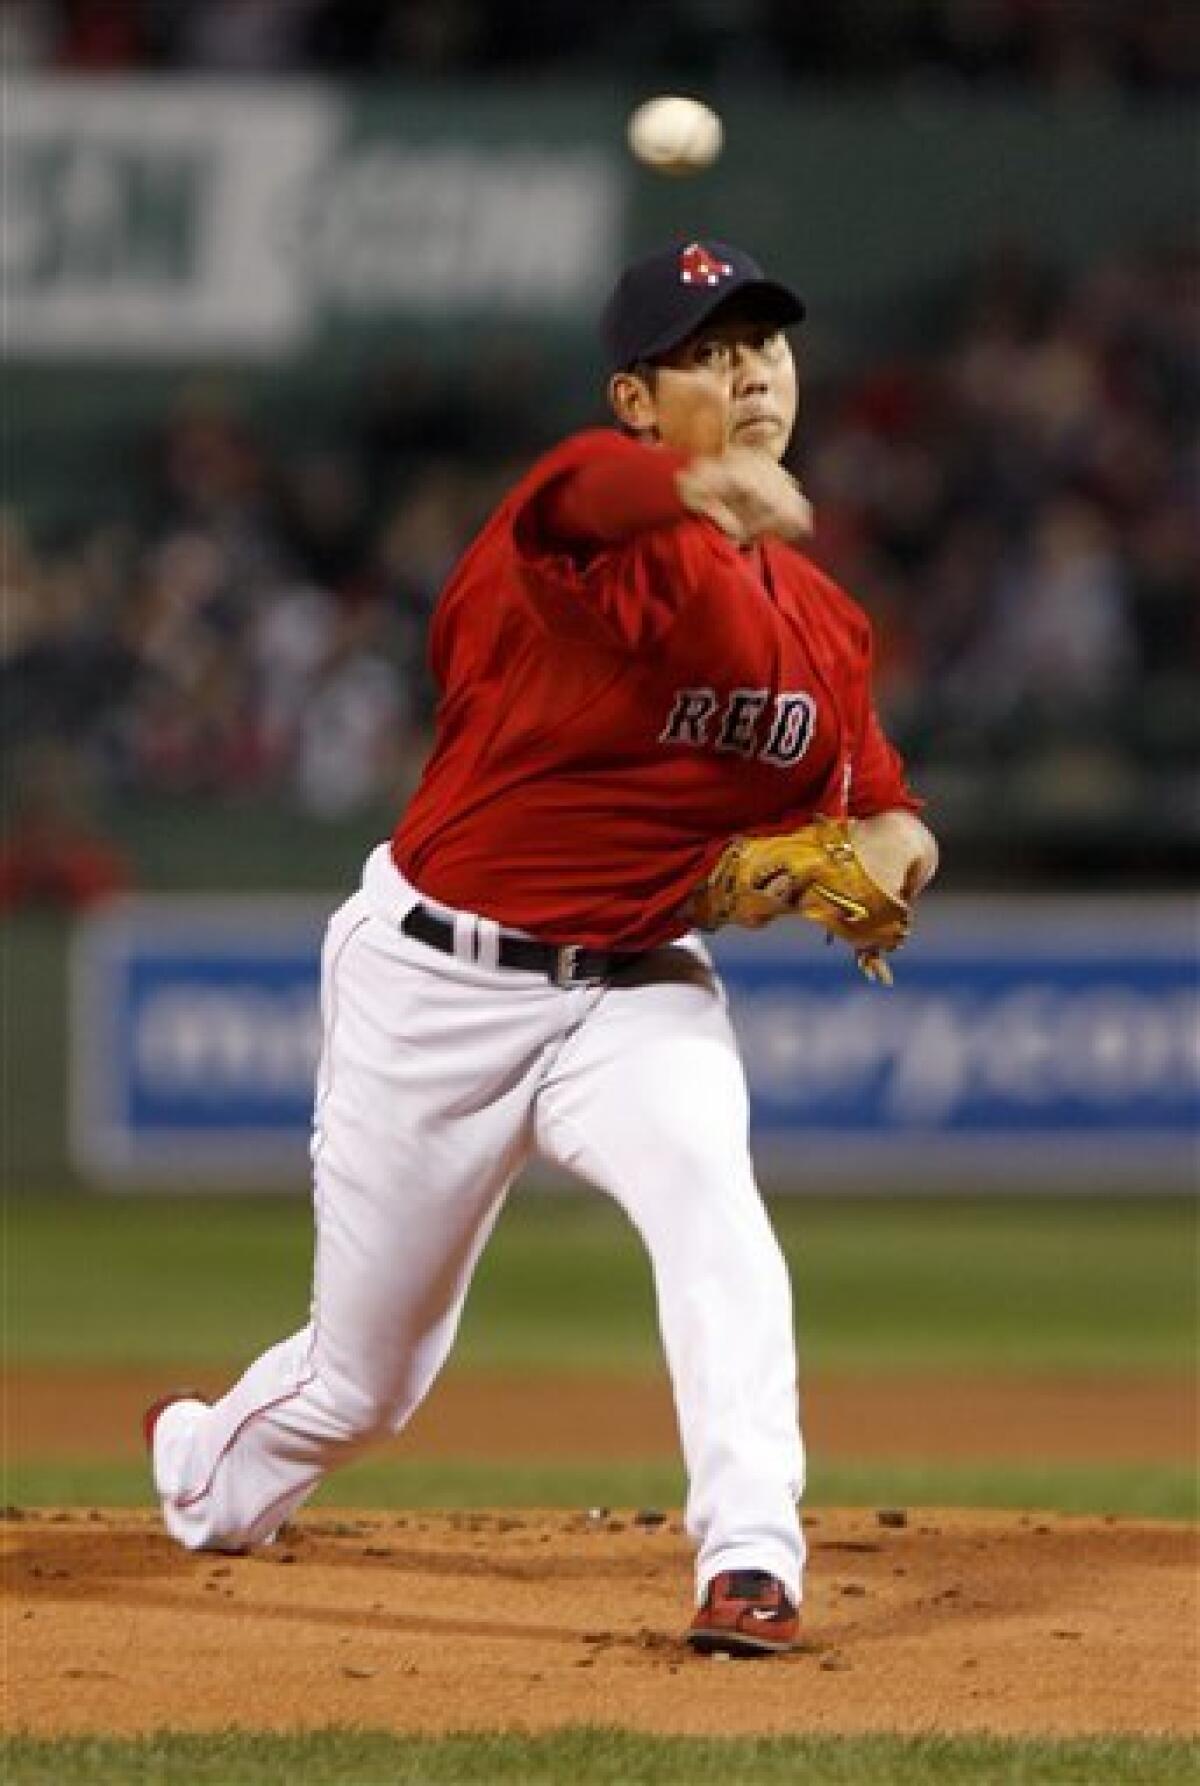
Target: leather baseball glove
{"x": 816, "y": 873}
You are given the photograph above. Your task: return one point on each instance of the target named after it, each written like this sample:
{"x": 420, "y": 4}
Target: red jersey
{"x": 622, "y": 690}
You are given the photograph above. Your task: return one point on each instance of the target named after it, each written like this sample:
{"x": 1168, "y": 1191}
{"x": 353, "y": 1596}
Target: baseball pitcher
{"x": 655, "y": 718}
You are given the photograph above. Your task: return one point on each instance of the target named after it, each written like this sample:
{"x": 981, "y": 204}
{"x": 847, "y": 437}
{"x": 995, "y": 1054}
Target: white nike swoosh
{"x": 764, "y": 1612}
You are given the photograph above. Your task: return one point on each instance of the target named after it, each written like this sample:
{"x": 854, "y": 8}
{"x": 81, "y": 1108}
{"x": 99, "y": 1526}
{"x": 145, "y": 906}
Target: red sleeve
{"x": 599, "y": 495}
{"x": 608, "y": 500}
{"x": 598, "y": 522}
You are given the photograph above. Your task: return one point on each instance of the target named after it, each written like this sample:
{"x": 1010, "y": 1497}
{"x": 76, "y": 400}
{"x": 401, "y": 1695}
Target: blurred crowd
{"x": 1020, "y": 513}
{"x": 1017, "y": 509}
{"x": 1131, "y": 45}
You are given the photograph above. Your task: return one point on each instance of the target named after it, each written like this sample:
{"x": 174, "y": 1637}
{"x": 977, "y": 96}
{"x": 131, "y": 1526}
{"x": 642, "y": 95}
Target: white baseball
{"x": 674, "y": 135}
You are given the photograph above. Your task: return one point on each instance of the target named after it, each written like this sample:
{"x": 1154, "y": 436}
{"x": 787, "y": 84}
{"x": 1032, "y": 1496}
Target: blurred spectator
{"x": 323, "y": 517}
{"x": 350, "y": 735}
{"x": 52, "y": 854}
{"x": 1058, "y": 649}
{"x": 65, "y": 664}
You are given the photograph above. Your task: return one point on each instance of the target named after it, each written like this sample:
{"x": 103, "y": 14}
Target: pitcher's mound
{"x": 929, "y": 1620}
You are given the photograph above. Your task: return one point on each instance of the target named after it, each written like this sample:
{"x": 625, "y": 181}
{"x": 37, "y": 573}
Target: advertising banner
{"x": 195, "y": 1030}
{"x": 1045, "y": 1041}
{"x": 1034, "y": 1045}
{"x": 168, "y": 219}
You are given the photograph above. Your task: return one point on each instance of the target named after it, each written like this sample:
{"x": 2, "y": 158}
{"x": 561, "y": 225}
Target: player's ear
{"x": 631, "y": 396}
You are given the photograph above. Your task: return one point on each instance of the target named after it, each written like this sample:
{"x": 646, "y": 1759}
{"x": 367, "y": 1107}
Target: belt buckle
{"x": 566, "y": 961}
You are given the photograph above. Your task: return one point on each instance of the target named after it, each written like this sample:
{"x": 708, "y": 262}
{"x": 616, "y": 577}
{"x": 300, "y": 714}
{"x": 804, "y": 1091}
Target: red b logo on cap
{"x": 698, "y": 267}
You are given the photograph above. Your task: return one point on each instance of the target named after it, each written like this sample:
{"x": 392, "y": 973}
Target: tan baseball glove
{"x": 818, "y": 873}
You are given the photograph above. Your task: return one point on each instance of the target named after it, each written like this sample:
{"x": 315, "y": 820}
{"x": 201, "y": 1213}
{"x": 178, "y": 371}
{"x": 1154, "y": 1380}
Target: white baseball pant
{"x": 440, "y": 1076}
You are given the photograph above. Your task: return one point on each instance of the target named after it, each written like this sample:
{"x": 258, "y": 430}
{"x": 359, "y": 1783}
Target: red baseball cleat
{"x": 156, "y": 1410}
{"x": 745, "y": 1612}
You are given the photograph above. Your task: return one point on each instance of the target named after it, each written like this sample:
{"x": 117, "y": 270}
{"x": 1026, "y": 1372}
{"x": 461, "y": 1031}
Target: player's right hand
{"x": 747, "y": 494}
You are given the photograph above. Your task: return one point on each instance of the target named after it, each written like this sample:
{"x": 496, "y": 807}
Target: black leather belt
{"x": 569, "y": 965}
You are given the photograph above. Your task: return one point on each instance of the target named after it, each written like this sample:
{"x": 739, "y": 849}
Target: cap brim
{"x": 766, "y": 297}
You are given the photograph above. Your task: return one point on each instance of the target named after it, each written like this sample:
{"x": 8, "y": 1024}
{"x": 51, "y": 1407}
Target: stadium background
{"x": 292, "y": 290}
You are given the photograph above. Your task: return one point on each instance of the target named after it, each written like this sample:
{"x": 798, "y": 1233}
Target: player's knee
{"x": 356, "y": 1411}
{"x": 365, "y": 1414}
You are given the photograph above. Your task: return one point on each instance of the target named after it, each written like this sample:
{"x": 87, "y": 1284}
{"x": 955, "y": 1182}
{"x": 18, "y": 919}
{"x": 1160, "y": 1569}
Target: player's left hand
{"x": 856, "y": 878}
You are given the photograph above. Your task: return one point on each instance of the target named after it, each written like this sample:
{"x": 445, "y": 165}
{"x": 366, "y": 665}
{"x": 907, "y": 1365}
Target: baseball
{"x": 674, "y": 135}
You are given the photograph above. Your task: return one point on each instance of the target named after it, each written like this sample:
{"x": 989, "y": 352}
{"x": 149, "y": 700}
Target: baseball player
{"x": 653, "y": 710}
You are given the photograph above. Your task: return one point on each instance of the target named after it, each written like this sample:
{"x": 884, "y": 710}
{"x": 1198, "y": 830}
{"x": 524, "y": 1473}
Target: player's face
{"x": 731, "y": 384}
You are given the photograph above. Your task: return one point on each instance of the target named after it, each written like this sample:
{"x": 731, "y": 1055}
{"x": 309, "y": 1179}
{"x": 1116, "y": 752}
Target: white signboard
{"x": 167, "y": 218}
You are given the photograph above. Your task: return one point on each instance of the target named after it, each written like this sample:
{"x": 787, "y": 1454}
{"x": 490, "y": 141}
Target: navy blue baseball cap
{"x": 658, "y": 302}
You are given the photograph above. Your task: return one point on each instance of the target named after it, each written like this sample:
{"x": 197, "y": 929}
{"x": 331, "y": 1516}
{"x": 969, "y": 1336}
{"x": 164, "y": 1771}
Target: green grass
{"x": 1022, "y": 1284}
{"x": 1159, "y": 1492}
{"x": 596, "y": 1757}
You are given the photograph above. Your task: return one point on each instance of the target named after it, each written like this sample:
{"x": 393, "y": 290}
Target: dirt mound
{"x": 950, "y": 1621}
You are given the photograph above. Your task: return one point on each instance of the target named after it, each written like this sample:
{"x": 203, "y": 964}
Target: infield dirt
{"x": 954, "y": 1621}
